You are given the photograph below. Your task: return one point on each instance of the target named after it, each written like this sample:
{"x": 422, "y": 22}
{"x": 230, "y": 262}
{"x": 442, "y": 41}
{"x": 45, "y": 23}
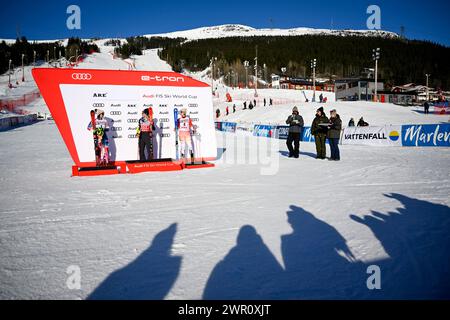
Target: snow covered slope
{"x": 308, "y": 230}
{"x": 238, "y": 30}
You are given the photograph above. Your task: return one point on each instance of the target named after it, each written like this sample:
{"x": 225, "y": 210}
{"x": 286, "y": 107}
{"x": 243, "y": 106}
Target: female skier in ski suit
{"x": 185, "y": 129}
{"x": 101, "y": 138}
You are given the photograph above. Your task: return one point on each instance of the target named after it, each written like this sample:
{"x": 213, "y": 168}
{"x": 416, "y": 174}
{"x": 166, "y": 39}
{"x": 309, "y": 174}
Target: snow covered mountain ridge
{"x": 238, "y": 30}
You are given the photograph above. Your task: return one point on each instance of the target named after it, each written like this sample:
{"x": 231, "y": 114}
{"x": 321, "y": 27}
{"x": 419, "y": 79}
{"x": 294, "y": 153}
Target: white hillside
{"x": 238, "y": 30}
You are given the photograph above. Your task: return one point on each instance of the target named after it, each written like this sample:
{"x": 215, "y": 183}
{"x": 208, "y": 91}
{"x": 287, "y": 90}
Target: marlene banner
{"x": 123, "y": 95}
{"x": 373, "y": 136}
{"x": 226, "y": 126}
{"x": 426, "y": 135}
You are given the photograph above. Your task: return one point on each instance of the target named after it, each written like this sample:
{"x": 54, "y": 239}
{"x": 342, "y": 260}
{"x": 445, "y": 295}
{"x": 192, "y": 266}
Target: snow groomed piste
{"x": 72, "y": 95}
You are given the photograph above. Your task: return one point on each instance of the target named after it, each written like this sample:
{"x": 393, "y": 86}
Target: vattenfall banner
{"x": 71, "y": 94}
{"x": 373, "y": 136}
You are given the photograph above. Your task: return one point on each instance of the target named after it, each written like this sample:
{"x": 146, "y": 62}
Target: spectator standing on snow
{"x": 227, "y": 111}
{"x": 426, "y": 107}
{"x": 270, "y": 102}
{"x": 250, "y": 106}
{"x": 334, "y": 134}
{"x": 351, "y": 123}
{"x": 254, "y": 103}
{"x": 245, "y": 105}
{"x": 234, "y": 108}
{"x": 264, "y": 102}
{"x": 217, "y": 113}
{"x": 295, "y": 122}
{"x": 319, "y": 131}
{"x": 321, "y": 98}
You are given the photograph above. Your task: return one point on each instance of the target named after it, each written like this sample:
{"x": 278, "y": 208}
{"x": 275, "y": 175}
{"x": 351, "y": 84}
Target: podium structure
{"x": 121, "y": 96}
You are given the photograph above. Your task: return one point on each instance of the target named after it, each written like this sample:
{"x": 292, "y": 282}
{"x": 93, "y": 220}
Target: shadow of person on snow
{"x": 318, "y": 264}
{"x": 247, "y": 271}
{"x": 417, "y": 240}
{"x": 301, "y": 153}
{"x": 150, "y": 276}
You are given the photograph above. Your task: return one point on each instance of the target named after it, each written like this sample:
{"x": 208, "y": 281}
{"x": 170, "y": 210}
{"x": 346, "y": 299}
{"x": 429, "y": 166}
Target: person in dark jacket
{"x": 319, "y": 129}
{"x": 245, "y": 105}
{"x": 426, "y": 107}
{"x": 351, "y": 123}
{"x": 234, "y": 108}
{"x": 362, "y": 123}
{"x": 145, "y": 135}
{"x": 295, "y": 122}
{"x": 334, "y": 134}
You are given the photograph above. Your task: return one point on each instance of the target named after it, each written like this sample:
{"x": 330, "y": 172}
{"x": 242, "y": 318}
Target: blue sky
{"x": 39, "y": 20}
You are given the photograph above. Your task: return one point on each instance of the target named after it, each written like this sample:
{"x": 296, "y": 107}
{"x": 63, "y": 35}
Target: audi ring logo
{"x": 81, "y": 76}
{"x": 98, "y": 105}
{"x": 115, "y": 113}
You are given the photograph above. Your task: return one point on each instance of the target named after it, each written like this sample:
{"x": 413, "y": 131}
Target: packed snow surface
{"x": 257, "y": 226}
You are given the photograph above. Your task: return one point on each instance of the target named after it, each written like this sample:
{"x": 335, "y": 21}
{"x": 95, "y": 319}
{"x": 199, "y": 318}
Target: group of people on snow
{"x": 361, "y": 123}
{"x": 245, "y": 105}
{"x": 322, "y": 128}
{"x": 184, "y": 128}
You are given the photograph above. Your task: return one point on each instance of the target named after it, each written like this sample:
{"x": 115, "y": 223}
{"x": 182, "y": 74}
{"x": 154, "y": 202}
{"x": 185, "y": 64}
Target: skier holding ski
{"x": 185, "y": 130}
{"x": 145, "y": 135}
{"x": 100, "y": 126}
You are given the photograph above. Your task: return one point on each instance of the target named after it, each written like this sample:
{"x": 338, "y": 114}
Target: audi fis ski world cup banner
{"x": 123, "y": 95}
{"x": 373, "y": 136}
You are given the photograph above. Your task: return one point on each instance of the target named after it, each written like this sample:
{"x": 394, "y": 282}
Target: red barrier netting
{"x": 14, "y": 104}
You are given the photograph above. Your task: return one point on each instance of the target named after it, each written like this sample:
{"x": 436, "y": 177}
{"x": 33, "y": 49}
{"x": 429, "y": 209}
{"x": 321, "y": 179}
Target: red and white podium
{"x": 71, "y": 94}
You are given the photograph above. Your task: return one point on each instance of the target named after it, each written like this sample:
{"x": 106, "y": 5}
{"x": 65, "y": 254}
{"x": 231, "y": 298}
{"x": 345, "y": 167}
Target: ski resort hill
{"x": 283, "y": 100}
{"x": 238, "y": 30}
{"x": 104, "y": 59}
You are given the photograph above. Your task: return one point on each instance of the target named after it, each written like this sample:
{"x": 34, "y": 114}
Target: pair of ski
{"x": 101, "y": 151}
